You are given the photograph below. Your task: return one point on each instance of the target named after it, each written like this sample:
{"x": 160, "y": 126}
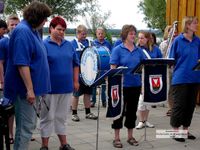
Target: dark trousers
{"x": 184, "y": 101}
{"x": 131, "y": 98}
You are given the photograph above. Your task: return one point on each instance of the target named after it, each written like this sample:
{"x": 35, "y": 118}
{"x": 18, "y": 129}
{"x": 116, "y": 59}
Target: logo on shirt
{"x": 156, "y": 83}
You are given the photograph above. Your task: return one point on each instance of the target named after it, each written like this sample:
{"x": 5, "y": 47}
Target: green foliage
{"x": 96, "y": 18}
{"x": 155, "y": 12}
{"x": 69, "y": 9}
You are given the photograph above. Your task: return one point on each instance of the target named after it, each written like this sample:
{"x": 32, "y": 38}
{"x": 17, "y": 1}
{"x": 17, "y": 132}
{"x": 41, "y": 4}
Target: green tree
{"x": 155, "y": 12}
{"x": 69, "y": 9}
{"x": 96, "y": 18}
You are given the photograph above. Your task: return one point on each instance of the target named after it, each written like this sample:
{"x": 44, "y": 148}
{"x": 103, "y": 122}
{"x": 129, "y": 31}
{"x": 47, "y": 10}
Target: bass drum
{"x": 94, "y": 63}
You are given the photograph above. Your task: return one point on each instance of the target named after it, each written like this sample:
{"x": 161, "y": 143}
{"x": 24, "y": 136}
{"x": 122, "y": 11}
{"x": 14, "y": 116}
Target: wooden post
{"x": 177, "y": 9}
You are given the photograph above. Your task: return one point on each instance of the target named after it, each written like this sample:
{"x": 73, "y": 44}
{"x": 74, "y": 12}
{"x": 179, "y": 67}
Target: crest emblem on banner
{"x": 156, "y": 83}
{"x": 115, "y": 95}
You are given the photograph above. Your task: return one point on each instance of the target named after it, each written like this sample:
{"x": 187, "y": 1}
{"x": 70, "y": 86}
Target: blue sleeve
{"x": 22, "y": 52}
{"x": 114, "y": 59}
{"x": 74, "y": 44}
{"x": 76, "y": 62}
{"x": 2, "y": 50}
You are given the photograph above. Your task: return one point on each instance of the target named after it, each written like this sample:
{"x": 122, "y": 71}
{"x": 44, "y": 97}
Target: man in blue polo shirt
{"x": 100, "y": 41}
{"x": 27, "y": 73}
{"x": 12, "y": 22}
{"x": 80, "y": 44}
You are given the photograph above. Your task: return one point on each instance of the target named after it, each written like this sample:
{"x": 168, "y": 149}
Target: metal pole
{"x": 171, "y": 38}
{"x": 97, "y": 135}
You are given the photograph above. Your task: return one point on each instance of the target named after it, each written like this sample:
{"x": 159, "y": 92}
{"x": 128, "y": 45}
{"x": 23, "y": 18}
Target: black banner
{"x": 115, "y": 97}
{"x": 155, "y": 83}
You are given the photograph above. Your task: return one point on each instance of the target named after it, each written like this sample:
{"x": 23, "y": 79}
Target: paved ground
{"x": 83, "y": 135}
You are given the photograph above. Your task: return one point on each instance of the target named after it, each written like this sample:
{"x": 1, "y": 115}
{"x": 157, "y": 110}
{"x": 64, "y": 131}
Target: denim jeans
{"x": 25, "y": 123}
{"x": 103, "y": 94}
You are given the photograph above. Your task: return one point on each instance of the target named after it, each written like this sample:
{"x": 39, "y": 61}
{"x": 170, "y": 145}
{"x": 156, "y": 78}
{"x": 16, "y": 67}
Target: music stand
{"x": 154, "y": 69}
{"x": 109, "y": 73}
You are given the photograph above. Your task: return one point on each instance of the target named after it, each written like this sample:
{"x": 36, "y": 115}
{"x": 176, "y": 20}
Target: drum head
{"x": 89, "y": 66}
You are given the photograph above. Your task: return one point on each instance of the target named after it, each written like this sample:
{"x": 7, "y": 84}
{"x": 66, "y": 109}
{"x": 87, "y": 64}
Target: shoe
{"x": 66, "y": 147}
{"x": 44, "y": 148}
{"x": 149, "y": 125}
{"x": 92, "y": 104}
{"x": 191, "y": 137}
{"x": 140, "y": 125}
{"x": 104, "y": 104}
{"x": 75, "y": 117}
{"x": 117, "y": 144}
{"x": 179, "y": 139}
{"x": 91, "y": 116}
{"x": 133, "y": 142}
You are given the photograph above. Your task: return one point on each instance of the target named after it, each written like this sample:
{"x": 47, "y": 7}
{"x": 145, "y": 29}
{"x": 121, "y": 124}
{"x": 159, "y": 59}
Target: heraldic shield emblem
{"x": 156, "y": 83}
{"x": 115, "y": 95}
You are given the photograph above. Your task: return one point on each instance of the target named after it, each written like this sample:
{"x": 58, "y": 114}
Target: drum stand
{"x": 146, "y": 143}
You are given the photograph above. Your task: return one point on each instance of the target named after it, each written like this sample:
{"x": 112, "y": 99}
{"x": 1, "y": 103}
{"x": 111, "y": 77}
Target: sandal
{"x": 11, "y": 140}
{"x": 132, "y": 141}
{"x": 117, "y": 144}
{"x": 191, "y": 137}
{"x": 169, "y": 112}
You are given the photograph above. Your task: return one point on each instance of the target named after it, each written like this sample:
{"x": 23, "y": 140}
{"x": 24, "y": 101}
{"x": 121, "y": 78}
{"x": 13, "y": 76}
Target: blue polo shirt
{"x": 121, "y": 56}
{"x": 105, "y": 43}
{"x": 85, "y": 44}
{"x": 154, "y": 53}
{"x": 4, "y": 51}
{"x": 26, "y": 48}
{"x": 186, "y": 55}
{"x": 62, "y": 59}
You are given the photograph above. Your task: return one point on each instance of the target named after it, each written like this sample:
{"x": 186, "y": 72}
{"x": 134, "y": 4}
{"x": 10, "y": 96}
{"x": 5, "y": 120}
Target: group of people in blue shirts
{"x": 46, "y": 73}
{"x": 185, "y": 50}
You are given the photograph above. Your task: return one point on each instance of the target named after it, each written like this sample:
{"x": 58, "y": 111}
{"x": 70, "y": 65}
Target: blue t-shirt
{"x": 79, "y": 48}
{"x": 62, "y": 59}
{"x": 154, "y": 53}
{"x": 26, "y": 48}
{"x": 186, "y": 55}
{"x": 4, "y": 51}
{"x": 105, "y": 43}
{"x": 121, "y": 56}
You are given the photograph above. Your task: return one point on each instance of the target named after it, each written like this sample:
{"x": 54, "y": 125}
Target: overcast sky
{"x": 122, "y": 12}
